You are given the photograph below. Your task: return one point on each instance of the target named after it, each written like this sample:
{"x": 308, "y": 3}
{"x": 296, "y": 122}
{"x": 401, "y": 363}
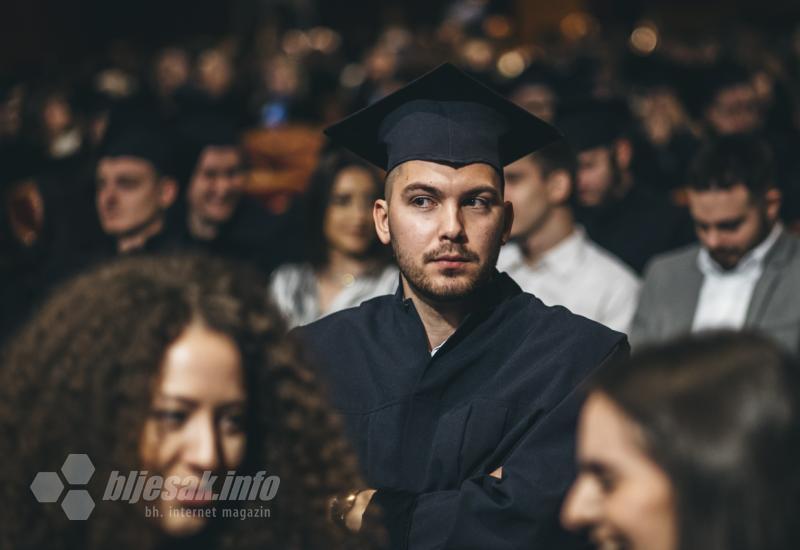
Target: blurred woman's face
{"x": 621, "y": 497}
{"x": 348, "y": 224}
{"x": 196, "y": 424}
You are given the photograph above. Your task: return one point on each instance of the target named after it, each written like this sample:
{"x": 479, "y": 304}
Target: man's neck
{"x": 201, "y": 228}
{"x": 137, "y": 240}
{"x": 440, "y": 319}
{"x": 559, "y": 226}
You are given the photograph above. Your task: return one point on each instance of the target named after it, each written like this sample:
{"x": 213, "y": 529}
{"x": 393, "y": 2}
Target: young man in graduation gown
{"x": 459, "y": 392}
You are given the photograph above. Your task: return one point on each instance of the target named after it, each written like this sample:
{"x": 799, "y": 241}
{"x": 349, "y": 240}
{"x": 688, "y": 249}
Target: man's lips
{"x": 450, "y": 262}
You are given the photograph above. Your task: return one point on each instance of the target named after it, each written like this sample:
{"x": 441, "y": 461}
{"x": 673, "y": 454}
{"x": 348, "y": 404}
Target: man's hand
{"x": 355, "y": 516}
{"x": 498, "y": 473}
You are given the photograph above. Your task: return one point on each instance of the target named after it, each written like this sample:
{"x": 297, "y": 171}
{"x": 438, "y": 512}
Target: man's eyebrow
{"x": 477, "y": 190}
{"x": 592, "y": 467}
{"x": 424, "y": 187}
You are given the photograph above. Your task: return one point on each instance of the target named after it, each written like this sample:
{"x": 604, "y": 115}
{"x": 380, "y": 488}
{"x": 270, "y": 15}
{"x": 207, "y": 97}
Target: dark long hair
{"x": 317, "y": 200}
{"x": 79, "y": 378}
{"x": 721, "y": 415}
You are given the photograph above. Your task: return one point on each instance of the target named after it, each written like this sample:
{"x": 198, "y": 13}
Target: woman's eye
{"x": 340, "y": 200}
{"x": 170, "y": 418}
{"x": 232, "y": 423}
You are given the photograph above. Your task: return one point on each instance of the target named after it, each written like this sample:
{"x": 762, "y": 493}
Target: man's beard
{"x": 452, "y": 290}
{"x": 729, "y": 258}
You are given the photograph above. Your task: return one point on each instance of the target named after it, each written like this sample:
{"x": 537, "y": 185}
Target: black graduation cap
{"x": 142, "y": 141}
{"x": 590, "y": 122}
{"x": 444, "y": 116}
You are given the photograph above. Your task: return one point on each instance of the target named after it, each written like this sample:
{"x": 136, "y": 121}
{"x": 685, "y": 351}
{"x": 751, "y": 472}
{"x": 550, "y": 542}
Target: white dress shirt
{"x": 579, "y": 275}
{"x": 725, "y": 295}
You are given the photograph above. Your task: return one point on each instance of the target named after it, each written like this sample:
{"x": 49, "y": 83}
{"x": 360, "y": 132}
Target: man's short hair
{"x": 732, "y": 160}
{"x": 555, "y": 157}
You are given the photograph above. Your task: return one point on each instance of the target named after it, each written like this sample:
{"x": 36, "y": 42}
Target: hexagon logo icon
{"x": 47, "y": 487}
{"x": 77, "y": 469}
{"x": 78, "y": 505}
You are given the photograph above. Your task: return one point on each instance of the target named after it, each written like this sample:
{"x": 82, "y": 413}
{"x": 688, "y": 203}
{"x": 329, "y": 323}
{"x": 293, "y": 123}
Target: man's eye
{"x": 423, "y": 202}
{"x": 477, "y": 202}
{"x": 606, "y": 482}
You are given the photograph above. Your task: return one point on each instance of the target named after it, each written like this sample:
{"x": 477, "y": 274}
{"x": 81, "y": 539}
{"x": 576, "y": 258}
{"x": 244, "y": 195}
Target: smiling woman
{"x": 691, "y": 446}
{"x": 178, "y": 369}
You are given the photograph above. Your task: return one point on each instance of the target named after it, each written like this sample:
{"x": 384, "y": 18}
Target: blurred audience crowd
{"x": 216, "y": 145}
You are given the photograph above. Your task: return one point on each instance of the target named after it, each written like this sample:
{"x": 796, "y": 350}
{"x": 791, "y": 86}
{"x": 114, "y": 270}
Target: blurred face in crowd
{"x": 172, "y": 70}
{"x": 217, "y": 184}
{"x": 348, "y": 225}
{"x": 735, "y": 110}
{"x": 599, "y": 176}
{"x": 621, "y": 496}
{"x": 533, "y": 196}
{"x": 196, "y": 423}
{"x": 214, "y": 72}
{"x": 731, "y": 222}
{"x": 537, "y": 99}
{"x": 130, "y": 195}
{"x": 446, "y": 226}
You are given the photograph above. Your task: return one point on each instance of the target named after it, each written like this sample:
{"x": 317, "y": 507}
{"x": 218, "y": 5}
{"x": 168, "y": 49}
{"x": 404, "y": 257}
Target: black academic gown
{"x": 502, "y": 391}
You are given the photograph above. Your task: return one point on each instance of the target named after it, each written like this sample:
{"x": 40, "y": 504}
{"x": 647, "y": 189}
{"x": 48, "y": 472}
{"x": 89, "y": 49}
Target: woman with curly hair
{"x": 694, "y": 445}
{"x": 178, "y": 368}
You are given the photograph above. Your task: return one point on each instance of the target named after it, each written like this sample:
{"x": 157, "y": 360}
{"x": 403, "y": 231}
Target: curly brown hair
{"x": 78, "y": 379}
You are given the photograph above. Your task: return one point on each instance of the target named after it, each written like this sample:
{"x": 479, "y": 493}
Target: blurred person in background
{"x": 214, "y": 213}
{"x": 745, "y": 271}
{"x": 346, "y": 264}
{"x": 694, "y": 445}
{"x": 134, "y": 189}
{"x": 549, "y": 255}
{"x": 536, "y": 91}
{"x": 730, "y": 104}
{"x": 179, "y": 367}
{"x": 622, "y": 214}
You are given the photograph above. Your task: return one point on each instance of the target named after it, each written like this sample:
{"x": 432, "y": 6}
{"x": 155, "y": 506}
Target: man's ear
{"x": 772, "y": 201}
{"x": 380, "y": 214}
{"x": 623, "y": 152}
{"x": 168, "y": 192}
{"x": 559, "y": 187}
{"x": 508, "y": 220}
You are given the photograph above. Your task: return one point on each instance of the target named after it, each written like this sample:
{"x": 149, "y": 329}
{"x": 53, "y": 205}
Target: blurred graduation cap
{"x": 444, "y": 116}
{"x": 141, "y": 140}
{"x": 591, "y": 123}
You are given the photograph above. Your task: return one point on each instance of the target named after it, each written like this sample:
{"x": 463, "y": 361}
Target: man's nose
{"x": 712, "y": 239}
{"x": 582, "y": 506}
{"x": 452, "y": 223}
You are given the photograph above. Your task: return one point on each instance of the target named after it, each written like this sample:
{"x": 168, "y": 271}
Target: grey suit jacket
{"x": 672, "y": 285}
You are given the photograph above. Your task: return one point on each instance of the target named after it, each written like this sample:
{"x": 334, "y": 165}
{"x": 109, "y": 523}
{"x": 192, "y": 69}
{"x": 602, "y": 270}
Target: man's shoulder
{"x": 674, "y": 261}
{"x": 560, "y": 323}
{"x": 370, "y": 313}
